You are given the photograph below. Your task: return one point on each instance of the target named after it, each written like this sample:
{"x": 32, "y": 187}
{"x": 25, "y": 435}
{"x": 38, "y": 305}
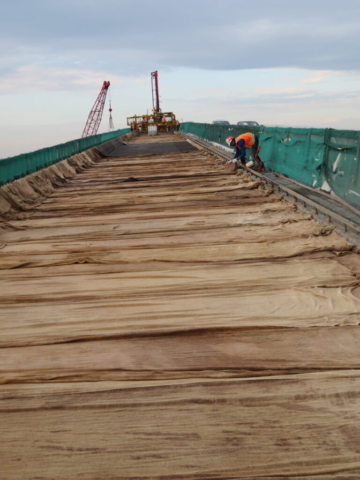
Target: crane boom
{"x": 94, "y": 118}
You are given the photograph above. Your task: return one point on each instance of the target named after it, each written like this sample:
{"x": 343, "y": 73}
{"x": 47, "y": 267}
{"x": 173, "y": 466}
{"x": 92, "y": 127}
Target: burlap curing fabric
{"x": 165, "y": 318}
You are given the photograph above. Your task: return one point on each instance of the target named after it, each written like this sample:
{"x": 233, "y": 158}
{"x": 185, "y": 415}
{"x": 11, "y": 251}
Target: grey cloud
{"x": 132, "y": 37}
{"x": 300, "y": 97}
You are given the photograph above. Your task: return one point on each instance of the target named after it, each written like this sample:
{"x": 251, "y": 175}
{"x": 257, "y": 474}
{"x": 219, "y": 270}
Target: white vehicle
{"x": 248, "y": 124}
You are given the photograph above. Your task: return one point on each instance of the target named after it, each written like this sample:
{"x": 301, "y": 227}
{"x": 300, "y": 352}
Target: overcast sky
{"x": 293, "y": 63}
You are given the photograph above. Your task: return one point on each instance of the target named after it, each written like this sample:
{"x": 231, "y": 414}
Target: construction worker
{"x": 177, "y": 123}
{"x": 243, "y": 142}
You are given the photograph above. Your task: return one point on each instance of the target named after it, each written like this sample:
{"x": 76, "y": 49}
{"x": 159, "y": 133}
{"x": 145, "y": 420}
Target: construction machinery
{"x": 95, "y": 115}
{"x": 163, "y": 121}
{"x": 155, "y": 91}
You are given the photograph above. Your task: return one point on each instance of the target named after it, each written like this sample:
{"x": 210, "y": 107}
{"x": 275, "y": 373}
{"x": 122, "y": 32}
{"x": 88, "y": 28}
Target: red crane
{"x": 94, "y": 118}
{"x": 155, "y": 92}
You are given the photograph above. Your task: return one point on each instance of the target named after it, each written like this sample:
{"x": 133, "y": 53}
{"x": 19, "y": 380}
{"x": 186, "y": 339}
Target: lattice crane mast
{"x": 95, "y": 116}
{"x": 155, "y": 92}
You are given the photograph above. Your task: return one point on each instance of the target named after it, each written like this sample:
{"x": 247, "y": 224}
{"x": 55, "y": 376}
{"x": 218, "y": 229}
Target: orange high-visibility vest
{"x": 249, "y": 139}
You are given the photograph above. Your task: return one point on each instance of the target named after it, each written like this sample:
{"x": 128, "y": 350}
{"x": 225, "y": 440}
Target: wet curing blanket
{"x": 165, "y": 317}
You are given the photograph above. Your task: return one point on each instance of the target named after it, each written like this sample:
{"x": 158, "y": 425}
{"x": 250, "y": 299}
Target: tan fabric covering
{"x": 221, "y": 353}
{"x": 164, "y": 317}
{"x": 253, "y": 428}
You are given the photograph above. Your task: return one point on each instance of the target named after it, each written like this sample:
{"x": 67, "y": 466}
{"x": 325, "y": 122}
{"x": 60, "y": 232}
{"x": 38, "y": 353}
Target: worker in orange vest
{"x": 243, "y": 142}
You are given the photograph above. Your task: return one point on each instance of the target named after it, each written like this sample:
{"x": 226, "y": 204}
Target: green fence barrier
{"x": 318, "y": 158}
{"x": 13, "y": 168}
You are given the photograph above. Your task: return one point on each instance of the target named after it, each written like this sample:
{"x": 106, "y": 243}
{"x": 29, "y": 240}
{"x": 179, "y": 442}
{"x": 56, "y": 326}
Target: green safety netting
{"x": 13, "y": 168}
{"x": 318, "y": 158}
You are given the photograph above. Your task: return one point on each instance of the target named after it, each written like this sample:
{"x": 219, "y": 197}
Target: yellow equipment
{"x": 165, "y": 122}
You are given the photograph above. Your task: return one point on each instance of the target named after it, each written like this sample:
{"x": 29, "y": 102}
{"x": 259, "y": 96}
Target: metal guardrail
{"x": 311, "y": 156}
{"x": 338, "y": 220}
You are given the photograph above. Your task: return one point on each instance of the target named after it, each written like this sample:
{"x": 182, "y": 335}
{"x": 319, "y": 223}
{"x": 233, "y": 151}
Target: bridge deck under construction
{"x": 163, "y": 316}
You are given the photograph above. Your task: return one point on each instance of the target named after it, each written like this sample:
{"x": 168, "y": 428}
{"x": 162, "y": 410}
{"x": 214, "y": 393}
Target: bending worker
{"x": 242, "y": 142}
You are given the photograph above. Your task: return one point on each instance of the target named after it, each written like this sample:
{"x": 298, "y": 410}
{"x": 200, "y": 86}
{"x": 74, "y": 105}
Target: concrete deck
{"x": 164, "y": 317}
